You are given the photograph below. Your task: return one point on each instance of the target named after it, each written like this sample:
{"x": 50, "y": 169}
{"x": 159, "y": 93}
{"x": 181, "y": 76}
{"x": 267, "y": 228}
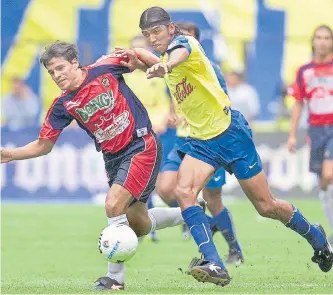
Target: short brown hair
{"x": 63, "y": 49}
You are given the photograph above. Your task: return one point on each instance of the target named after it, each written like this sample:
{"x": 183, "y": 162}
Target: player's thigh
{"x": 137, "y": 215}
{"x": 193, "y": 174}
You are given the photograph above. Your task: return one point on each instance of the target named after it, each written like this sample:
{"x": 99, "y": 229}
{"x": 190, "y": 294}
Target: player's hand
{"x": 133, "y": 61}
{"x": 6, "y": 156}
{"x": 174, "y": 121}
{"x": 291, "y": 144}
{"x": 157, "y": 70}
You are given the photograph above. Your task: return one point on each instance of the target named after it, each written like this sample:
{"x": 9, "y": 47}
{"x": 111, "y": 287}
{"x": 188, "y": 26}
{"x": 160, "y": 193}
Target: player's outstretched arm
{"x": 34, "y": 149}
{"x": 146, "y": 56}
{"x": 138, "y": 58}
{"x": 176, "y": 57}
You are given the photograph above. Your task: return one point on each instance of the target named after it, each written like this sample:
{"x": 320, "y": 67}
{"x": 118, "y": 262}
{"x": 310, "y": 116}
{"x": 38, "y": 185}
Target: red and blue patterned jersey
{"x": 104, "y": 106}
{"x": 314, "y": 83}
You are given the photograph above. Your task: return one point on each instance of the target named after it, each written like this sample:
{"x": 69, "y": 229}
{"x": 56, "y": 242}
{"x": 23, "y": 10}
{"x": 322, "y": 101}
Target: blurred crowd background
{"x": 259, "y": 45}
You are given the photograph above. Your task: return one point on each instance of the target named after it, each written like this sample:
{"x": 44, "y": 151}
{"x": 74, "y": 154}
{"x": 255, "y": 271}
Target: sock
{"x": 116, "y": 271}
{"x": 326, "y": 198}
{"x": 174, "y": 204}
{"x": 210, "y": 220}
{"x": 150, "y": 205}
{"x": 224, "y": 223}
{"x": 313, "y": 235}
{"x": 164, "y": 217}
{"x": 196, "y": 221}
{"x": 121, "y": 219}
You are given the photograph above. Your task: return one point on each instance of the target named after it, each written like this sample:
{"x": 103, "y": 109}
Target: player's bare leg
{"x": 257, "y": 190}
{"x": 192, "y": 176}
{"x": 165, "y": 185}
{"x": 140, "y": 219}
{"x": 166, "y": 182}
{"x": 326, "y": 192}
{"x": 222, "y": 220}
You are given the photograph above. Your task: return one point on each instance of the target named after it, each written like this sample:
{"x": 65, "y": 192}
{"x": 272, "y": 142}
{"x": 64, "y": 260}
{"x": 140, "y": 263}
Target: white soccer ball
{"x": 118, "y": 243}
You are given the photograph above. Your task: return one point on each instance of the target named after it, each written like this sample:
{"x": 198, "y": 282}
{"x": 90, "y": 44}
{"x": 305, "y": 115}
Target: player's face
{"x": 322, "y": 42}
{"x": 159, "y": 37}
{"x": 63, "y": 72}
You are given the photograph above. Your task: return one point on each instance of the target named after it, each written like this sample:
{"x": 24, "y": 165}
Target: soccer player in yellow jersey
{"x": 218, "y": 137}
{"x": 221, "y": 219}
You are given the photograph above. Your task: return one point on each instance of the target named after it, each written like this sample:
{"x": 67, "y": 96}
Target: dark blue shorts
{"x": 173, "y": 161}
{"x": 136, "y": 167}
{"x": 233, "y": 149}
{"x": 321, "y": 141}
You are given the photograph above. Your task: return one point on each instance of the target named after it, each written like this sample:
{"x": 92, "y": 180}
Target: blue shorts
{"x": 173, "y": 161}
{"x": 233, "y": 149}
{"x": 321, "y": 138}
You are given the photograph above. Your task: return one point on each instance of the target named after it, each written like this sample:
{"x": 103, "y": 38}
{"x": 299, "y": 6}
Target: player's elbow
{"x": 44, "y": 147}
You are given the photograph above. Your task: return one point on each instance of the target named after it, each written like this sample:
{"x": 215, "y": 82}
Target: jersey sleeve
{"x": 56, "y": 120}
{"x": 179, "y": 42}
{"x": 113, "y": 61}
{"x": 297, "y": 89}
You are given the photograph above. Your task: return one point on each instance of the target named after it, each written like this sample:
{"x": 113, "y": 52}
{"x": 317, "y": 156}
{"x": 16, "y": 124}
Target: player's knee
{"x": 327, "y": 176}
{"x": 114, "y": 206}
{"x": 140, "y": 228}
{"x": 165, "y": 191}
{"x": 185, "y": 196}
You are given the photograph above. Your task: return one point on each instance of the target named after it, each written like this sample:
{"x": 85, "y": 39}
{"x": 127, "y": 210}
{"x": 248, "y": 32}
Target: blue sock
{"x": 224, "y": 223}
{"x": 196, "y": 221}
{"x": 299, "y": 224}
{"x": 210, "y": 220}
{"x": 174, "y": 204}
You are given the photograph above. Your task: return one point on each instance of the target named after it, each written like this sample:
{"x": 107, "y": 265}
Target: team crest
{"x": 106, "y": 82}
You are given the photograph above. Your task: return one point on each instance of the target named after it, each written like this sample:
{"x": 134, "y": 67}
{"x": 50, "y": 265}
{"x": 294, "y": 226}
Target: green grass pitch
{"x": 52, "y": 249}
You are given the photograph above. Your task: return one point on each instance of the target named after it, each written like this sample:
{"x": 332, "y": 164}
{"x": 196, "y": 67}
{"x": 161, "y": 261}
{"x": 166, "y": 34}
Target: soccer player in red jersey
{"x": 98, "y": 98}
{"x": 314, "y": 85}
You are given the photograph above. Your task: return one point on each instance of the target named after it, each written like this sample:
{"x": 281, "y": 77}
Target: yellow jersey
{"x": 152, "y": 94}
{"x": 196, "y": 91}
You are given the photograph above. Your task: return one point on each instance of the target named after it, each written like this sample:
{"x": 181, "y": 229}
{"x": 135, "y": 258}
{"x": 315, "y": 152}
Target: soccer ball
{"x": 118, "y": 243}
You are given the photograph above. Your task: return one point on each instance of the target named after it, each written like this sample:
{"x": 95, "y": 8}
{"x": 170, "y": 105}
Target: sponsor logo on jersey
{"x": 183, "y": 90}
{"x": 99, "y": 102}
{"x": 119, "y": 124}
